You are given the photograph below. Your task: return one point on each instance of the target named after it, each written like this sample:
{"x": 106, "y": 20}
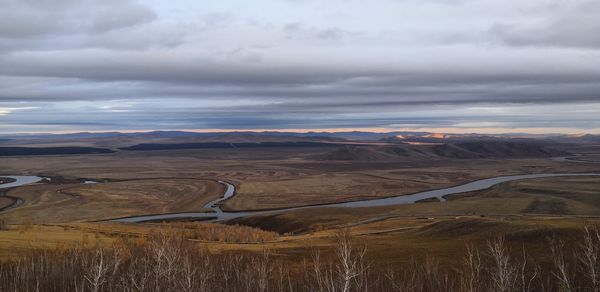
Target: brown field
{"x": 556, "y": 196}
{"x": 567, "y": 197}
{"x": 45, "y": 203}
{"x": 278, "y": 178}
{"x": 389, "y": 241}
{"x": 5, "y": 202}
{"x": 61, "y": 212}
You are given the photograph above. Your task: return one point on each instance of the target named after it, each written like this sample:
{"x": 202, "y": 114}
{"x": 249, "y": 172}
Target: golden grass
{"x": 22, "y": 239}
{"x": 388, "y": 241}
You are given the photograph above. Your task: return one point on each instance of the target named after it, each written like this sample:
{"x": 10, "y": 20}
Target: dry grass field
{"x": 52, "y": 203}
{"x": 64, "y": 212}
{"x": 554, "y": 196}
{"x": 395, "y": 240}
{"x": 282, "y": 177}
{"x": 5, "y": 202}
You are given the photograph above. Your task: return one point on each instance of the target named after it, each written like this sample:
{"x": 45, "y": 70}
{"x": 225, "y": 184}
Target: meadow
{"x": 63, "y": 217}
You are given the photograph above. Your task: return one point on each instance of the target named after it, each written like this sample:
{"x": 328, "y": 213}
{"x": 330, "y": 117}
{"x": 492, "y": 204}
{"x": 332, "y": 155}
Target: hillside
{"x": 123, "y": 140}
{"x": 18, "y": 151}
{"x": 220, "y": 145}
{"x": 463, "y": 150}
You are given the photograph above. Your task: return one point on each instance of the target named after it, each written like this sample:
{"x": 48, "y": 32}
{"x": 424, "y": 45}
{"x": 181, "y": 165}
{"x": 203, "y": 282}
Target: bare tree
{"x": 562, "y": 270}
{"x": 527, "y": 280}
{"x": 96, "y": 276}
{"x": 263, "y": 269}
{"x": 589, "y": 256}
{"x": 351, "y": 262}
{"x": 320, "y": 282}
{"x": 502, "y": 271}
{"x": 473, "y": 268}
{"x": 188, "y": 277}
{"x": 168, "y": 262}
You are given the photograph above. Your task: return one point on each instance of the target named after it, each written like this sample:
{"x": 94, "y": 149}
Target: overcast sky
{"x": 446, "y": 65}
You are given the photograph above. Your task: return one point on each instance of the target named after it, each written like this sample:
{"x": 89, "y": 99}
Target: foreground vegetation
{"x": 167, "y": 261}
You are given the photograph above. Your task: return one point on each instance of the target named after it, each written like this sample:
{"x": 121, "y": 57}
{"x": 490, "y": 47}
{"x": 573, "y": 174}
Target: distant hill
{"x": 463, "y": 150}
{"x": 363, "y": 153}
{"x": 120, "y": 140}
{"x": 577, "y": 139}
{"x": 496, "y": 150}
{"x": 241, "y": 136}
{"x": 222, "y": 145}
{"x": 16, "y": 151}
{"x": 444, "y": 138}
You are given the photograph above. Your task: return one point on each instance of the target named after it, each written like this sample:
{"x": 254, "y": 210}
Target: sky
{"x": 490, "y": 66}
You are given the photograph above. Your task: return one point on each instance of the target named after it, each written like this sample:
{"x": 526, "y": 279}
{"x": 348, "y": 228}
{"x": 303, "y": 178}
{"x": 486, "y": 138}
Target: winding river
{"x": 219, "y": 215}
{"x": 20, "y": 180}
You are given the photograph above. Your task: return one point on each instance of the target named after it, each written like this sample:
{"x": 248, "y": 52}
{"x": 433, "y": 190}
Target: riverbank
{"x": 439, "y": 194}
{"x": 5, "y": 180}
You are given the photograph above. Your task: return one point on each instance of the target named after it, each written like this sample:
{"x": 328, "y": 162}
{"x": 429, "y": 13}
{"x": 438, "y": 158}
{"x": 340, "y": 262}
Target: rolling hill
{"x": 462, "y": 150}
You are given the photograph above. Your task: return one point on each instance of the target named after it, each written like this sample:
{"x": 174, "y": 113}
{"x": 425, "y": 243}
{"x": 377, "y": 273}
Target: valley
{"x": 80, "y": 195}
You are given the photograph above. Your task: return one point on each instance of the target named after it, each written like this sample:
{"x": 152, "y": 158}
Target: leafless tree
{"x": 262, "y": 267}
{"x": 527, "y": 279}
{"x": 351, "y": 264}
{"x": 562, "y": 270}
{"x": 589, "y": 256}
{"x": 96, "y": 276}
{"x": 502, "y": 271}
{"x": 168, "y": 262}
{"x": 472, "y": 272}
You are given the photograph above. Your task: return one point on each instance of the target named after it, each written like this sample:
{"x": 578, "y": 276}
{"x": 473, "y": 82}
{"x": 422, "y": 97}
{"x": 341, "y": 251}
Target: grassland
{"x": 555, "y": 196}
{"x": 5, "y": 202}
{"x": 59, "y": 213}
{"x": 278, "y": 178}
{"x": 394, "y": 240}
{"x": 73, "y": 202}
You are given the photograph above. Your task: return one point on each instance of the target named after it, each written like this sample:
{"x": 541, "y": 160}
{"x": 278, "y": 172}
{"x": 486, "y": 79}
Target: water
{"x": 218, "y": 214}
{"x": 20, "y": 180}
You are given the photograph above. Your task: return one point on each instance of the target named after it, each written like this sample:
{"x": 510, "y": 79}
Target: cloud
{"x": 28, "y": 18}
{"x": 230, "y": 64}
{"x": 64, "y": 24}
{"x": 8, "y": 110}
{"x": 576, "y": 24}
{"x": 299, "y": 30}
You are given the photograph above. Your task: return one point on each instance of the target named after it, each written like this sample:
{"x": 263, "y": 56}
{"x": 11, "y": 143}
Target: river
{"x": 20, "y": 180}
{"x": 219, "y": 215}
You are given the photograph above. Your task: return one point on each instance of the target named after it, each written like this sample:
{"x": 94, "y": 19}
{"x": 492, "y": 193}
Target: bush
{"x": 167, "y": 261}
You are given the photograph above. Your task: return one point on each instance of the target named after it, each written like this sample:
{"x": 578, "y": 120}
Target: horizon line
{"x": 382, "y": 130}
